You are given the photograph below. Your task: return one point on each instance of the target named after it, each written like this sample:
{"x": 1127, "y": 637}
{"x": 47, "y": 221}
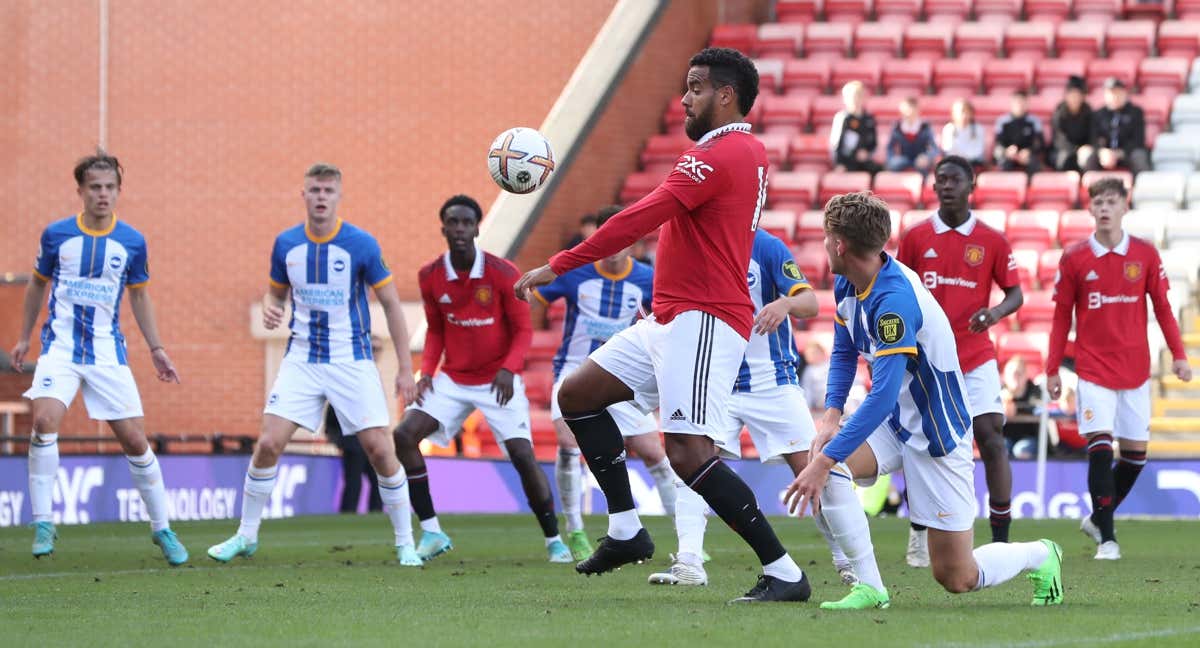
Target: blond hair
{"x": 862, "y": 219}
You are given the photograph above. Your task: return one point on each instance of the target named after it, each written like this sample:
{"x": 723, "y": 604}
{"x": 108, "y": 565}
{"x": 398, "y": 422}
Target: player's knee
{"x": 44, "y": 424}
{"x": 572, "y": 396}
{"x": 520, "y": 451}
{"x": 269, "y": 449}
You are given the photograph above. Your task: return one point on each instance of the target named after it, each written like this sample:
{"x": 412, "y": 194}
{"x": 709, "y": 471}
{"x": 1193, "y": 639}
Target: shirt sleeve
{"x": 279, "y": 276}
{"x": 887, "y": 377}
{"x": 787, "y": 276}
{"x": 1157, "y": 286}
{"x": 375, "y": 269}
{"x": 1004, "y": 265}
{"x": 1064, "y": 306}
{"x": 435, "y": 340}
{"x": 520, "y": 324}
{"x": 139, "y": 267}
{"x": 698, "y": 177}
{"x": 47, "y": 258}
{"x": 553, "y": 291}
{"x": 895, "y": 319}
{"x": 622, "y": 230}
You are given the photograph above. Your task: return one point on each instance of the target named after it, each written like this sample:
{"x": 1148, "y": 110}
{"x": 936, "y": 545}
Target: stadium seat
{"x": 901, "y": 76}
{"x": 805, "y": 77}
{"x": 828, "y": 40}
{"x": 796, "y": 11}
{"x": 777, "y": 145}
{"x": 1032, "y": 229}
{"x": 978, "y": 40}
{"x": 879, "y": 40}
{"x": 1130, "y": 37}
{"x": 929, "y": 199}
{"x": 779, "y": 222}
{"x": 1031, "y": 346}
{"x": 1153, "y": 10}
{"x": 901, "y": 191}
{"x": 1156, "y": 109}
{"x": 770, "y": 75}
{"x": 1185, "y": 113}
{"x": 1048, "y": 267}
{"x": 544, "y": 345}
{"x": 841, "y": 182}
{"x": 810, "y": 152}
{"x": 936, "y": 108}
{"x": 810, "y": 226}
{"x": 886, "y": 109}
{"x": 1073, "y": 226}
{"x": 823, "y": 110}
{"x": 989, "y": 108}
{"x": 1159, "y": 189}
{"x": 1080, "y": 39}
{"x": 1099, "y": 71}
{"x": 957, "y": 76}
{"x": 1000, "y": 190}
{"x": 1182, "y": 232}
{"x": 739, "y": 37}
{"x": 1148, "y": 224}
{"x": 537, "y": 387}
{"x": 1163, "y": 75}
{"x": 1101, "y": 11}
{"x": 1027, "y": 266}
{"x": 1175, "y": 152}
{"x": 1053, "y": 190}
{"x": 1007, "y": 75}
{"x": 866, "y": 70}
{"x": 1052, "y": 74}
{"x": 894, "y": 239}
{"x": 779, "y": 40}
{"x": 947, "y": 11}
{"x": 637, "y": 185}
{"x": 928, "y": 40}
{"x": 785, "y": 114}
{"x": 813, "y": 261}
{"x": 997, "y": 10}
{"x": 1179, "y": 38}
{"x": 1051, "y": 11}
{"x": 1092, "y": 176}
{"x": 1192, "y": 193}
{"x": 1029, "y": 40}
{"x": 913, "y": 217}
{"x": 796, "y": 189}
{"x": 847, "y": 11}
{"x": 899, "y": 11}
{"x": 1042, "y": 106}
{"x": 665, "y": 148}
{"x": 674, "y": 116}
{"x": 1038, "y": 310}
{"x": 996, "y": 219}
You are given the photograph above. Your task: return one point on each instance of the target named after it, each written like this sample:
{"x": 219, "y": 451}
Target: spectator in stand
{"x": 587, "y": 225}
{"x": 816, "y": 371}
{"x": 1072, "y": 124}
{"x": 912, "y": 145}
{"x": 962, "y": 136}
{"x": 852, "y": 140}
{"x": 1118, "y": 132}
{"x": 1021, "y": 398}
{"x": 1019, "y": 140}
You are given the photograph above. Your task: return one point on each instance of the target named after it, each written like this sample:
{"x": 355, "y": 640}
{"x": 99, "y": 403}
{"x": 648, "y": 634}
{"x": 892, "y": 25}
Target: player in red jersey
{"x": 1103, "y": 282}
{"x": 686, "y": 357}
{"x": 483, "y": 331}
{"x": 959, "y": 258}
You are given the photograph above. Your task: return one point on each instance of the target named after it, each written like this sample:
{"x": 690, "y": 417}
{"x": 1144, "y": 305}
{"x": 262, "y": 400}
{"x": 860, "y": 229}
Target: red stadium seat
{"x": 901, "y": 11}
{"x": 886, "y": 110}
{"x": 537, "y": 387}
{"x": 785, "y": 114}
{"x": 880, "y": 40}
{"x": 957, "y": 76}
{"x": 796, "y": 189}
{"x": 1032, "y": 229}
{"x": 824, "y": 109}
{"x": 638, "y": 185}
{"x": 674, "y": 116}
{"x": 778, "y": 222}
{"x": 1054, "y": 190}
{"x": 947, "y": 11}
{"x": 796, "y": 11}
{"x": 1179, "y": 38}
{"x": 1038, "y": 309}
{"x": 1007, "y": 75}
{"x": 1102, "y": 11}
{"x": 1074, "y": 226}
{"x": 1080, "y": 39}
{"x": 1027, "y": 266}
{"x": 1042, "y": 106}
{"x": 936, "y": 109}
{"x": 1031, "y": 346}
{"x": 1051, "y": 74}
{"x": 1030, "y": 40}
{"x": 1130, "y": 37}
{"x": 1157, "y": 110}
{"x": 779, "y": 40}
{"x": 868, "y": 71}
{"x": 1052, "y": 11}
{"x": 835, "y": 183}
{"x": 978, "y": 39}
{"x": 665, "y": 148}
{"x": 928, "y": 40}
{"x": 996, "y": 219}
{"x": 1048, "y": 267}
{"x": 810, "y": 226}
{"x": 1000, "y": 190}
{"x": 810, "y": 152}
{"x": 1154, "y": 10}
{"x": 928, "y": 198}
{"x": 770, "y": 75}
{"x": 903, "y": 76}
{"x": 739, "y": 37}
{"x": 913, "y": 217}
{"x": 544, "y": 345}
{"x": 847, "y": 11}
{"x": 989, "y": 108}
{"x": 805, "y": 77}
{"x": 1163, "y": 75}
{"x": 813, "y": 261}
{"x": 828, "y": 39}
{"x": 1093, "y": 176}
{"x": 1124, "y": 68}
{"x": 777, "y": 145}
{"x": 901, "y": 191}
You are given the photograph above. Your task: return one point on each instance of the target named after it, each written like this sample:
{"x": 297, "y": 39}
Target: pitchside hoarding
{"x": 99, "y": 489}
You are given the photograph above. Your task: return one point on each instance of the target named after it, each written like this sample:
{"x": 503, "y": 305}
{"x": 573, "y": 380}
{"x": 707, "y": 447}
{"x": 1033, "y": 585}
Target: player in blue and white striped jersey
{"x": 89, "y": 260}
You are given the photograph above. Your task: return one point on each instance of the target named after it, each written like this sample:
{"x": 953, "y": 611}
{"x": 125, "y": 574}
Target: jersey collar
{"x": 337, "y": 227}
{"x": 91, "y": 232}
{"x": 1099, "y": 250}
{"x": 968, "y": 226}
{"x": 476, "y": 268}
{"x": 727, "y": 128}
{"x": 618, "y": 276}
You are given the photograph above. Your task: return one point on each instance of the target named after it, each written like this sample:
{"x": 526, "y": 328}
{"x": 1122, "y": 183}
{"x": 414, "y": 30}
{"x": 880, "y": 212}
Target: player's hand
{"x": 805, "y": 491}
{"x": 982, "y": 320}
{"x": 272, "y": 315}
{"x": 1183, "y": 370}
{"x": 163, "y": 366}
{"x": 770, "y": 317}
{"x": 1054, "y": 386}
{"x": 862, "y": 154}
{"x": 406, "y": 387}
{"x": 502, "y": 386}
{"x": 425, "y": 384}
{"x": 532, "y": 279}
{"x": 827, "y": 428}
{"x": 18, "y": 355}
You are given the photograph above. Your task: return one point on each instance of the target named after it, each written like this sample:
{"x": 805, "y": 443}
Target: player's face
{"x": 833, "y": 249}
{"x": 952, "y": 186}
{"x": 699, "y": 103}
{"x": 99, "y": 192}
{"x": 1109, "y": 210}
{"x": 459, "y": 228}
{"x": 321, "y": 197}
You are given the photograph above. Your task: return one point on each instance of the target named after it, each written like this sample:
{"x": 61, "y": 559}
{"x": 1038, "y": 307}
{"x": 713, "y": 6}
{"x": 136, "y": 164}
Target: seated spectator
{"x": 587, "y": 227}
{"x": 815, "y": 374}
{"x": 1072, "y": 124}
{"x": 1118, "y": 132}
{"x": 852, "y": 139}
{"x": 962, "y": 136}
{"x": 1021, "y": 398}
{"x": 911, "y": 146}
{"x": 1019, "y": 140}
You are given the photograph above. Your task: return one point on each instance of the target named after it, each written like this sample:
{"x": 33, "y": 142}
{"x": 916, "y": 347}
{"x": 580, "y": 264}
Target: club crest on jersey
{"x": 483, "y": 295}
{"x": 115, "y": 263}
{"x": 792, "y": 271}
{"x": 890, "y": 328}
{"x": 1133, "y": 270}
{"x": 973, "y": 255}
{"x": 339, "y": 265}
{"x": 695, "y": 169}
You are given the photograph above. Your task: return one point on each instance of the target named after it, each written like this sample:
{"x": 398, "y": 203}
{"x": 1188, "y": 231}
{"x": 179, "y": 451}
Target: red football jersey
{"x": 959, "y": 265}
{"x": 476, "y": 320}
{"x": 1107, "y": 291}
{"x": 710, "y": 205}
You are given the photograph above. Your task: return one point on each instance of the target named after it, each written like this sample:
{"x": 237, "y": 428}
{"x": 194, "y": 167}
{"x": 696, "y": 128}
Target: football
{"x": 520, "y": 160}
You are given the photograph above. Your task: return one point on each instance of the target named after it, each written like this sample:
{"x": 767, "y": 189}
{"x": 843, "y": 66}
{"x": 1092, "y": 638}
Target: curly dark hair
{"x": 465, "y": 201}
{"x": 101, "y": 161}
{"x": 729, "y": 67}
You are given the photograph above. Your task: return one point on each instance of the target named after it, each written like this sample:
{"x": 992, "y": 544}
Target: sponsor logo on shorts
{"x": 677, "y": 415}
{"x": 48, "y": 381}
{"x": 272, "y": 399}
{"x": 942, "y": 516}
{"x": 1088, "y": 415}
{"x": 890, "y": 328}
{"x": 973, "y": 255}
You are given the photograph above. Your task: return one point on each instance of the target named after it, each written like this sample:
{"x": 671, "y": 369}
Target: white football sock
{"x": 689, "y": 520}
{"x": 550, "y": 541}
{"x": 847, "y": 522}
{"x": 255, "y": 492}
{"x": 1001, "y": 561}
{"x": 147, "y": 476}
{"x": 624, "y": 525}
{"x": 43, "y": 470}
{"x": 393, "y": 491}
{"x": 431, "y": 525}
{"x": 835, "y": 549}
{"x": 568, "y": 474}
{"x": 664, "y": 481}
{"x": 784, "y": 569}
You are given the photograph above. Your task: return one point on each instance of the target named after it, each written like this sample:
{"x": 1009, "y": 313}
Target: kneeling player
{"x": 914, "y": 419}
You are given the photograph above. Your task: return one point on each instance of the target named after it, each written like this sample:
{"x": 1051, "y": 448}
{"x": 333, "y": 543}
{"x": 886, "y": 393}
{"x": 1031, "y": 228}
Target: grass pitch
{"x": 322, "y": 581}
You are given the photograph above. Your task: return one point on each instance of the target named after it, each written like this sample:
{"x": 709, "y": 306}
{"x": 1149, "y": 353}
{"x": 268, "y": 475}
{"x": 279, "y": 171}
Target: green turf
{"x": 324, "y": 581}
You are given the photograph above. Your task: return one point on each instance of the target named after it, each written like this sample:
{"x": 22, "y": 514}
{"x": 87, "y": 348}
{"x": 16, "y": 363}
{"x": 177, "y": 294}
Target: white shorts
{"x": 630, "y": 420}
{"x": 983, "y": 389}
{"x": 778, "y": 420}
{"x": 686, "y": 367}
{"x": 353, "y": 390}
{"x": 941, "y": 490}
{"x": 451, "y": 403}
{"x": 1125, "y": 412}
{"x": 109, "y": 392}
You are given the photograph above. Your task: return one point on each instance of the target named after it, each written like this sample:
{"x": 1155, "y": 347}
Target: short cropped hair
{"x": 958, "y": 161}
{"x": 861, "y": 218}
{"x": 729, "y": 67}
{"x": 1105, "y": 185}
{"x": 324, "y": 171}
{"x": 465, "y": 201}
{"x": 99, "y": 161}
{"x": 605, "y": 213}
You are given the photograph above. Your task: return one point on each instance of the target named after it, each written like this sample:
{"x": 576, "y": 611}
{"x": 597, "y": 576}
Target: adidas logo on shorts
{"x": 677, "y": 415}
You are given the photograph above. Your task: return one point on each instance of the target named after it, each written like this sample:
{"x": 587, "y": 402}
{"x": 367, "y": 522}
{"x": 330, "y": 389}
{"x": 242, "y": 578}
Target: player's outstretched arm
{"x": 393, "y": 312}
{"x": 985, "y": 318}
{"x": 35, "y": 292}
{"x": 802, "y": 305}
{"x": 143, "y": 312}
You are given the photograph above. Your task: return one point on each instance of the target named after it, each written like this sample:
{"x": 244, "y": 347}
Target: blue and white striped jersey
{"x": 328, "y": 277}
{"x": 599, "y": 306}
{"x": 89, "y": 270}
{"x": 771, "y": 359}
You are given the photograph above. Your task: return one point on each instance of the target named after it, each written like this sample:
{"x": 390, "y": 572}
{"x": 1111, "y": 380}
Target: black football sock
{"x": 733, "y": 501}
{"x": 1100, "y": 484}
{"x": 418, "y": 494}
{"x": 1000, "y": 515}
{"x": 603, "y": 449}
{"x": 1125, "y": 473}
